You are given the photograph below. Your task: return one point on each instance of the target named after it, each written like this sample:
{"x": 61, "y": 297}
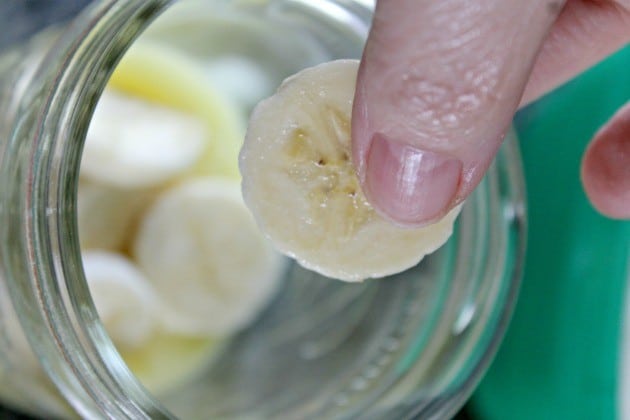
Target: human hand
{"x": 440, "y": 81}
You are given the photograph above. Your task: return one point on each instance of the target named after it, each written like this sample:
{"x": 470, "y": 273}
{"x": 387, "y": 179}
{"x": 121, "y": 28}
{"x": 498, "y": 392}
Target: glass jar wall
{"x": 411, "y": 345}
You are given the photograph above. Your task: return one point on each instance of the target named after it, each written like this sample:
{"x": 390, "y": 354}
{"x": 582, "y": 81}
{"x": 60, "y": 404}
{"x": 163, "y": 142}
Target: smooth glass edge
{"x": 110, "y": 42}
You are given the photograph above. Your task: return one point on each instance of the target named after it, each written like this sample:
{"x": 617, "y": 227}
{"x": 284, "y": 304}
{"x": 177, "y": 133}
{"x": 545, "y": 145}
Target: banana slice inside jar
{"x": 204, "y": 254}
{"x": 164, "y": 76}
{"x": 173, "y": 259}
{"x": 300, "y": 184}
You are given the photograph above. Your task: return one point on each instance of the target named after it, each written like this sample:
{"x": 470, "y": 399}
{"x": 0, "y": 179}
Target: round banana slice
{"x": 202, "y": 251}
{"x": 107, "y": 215}
{"x": 124, "y": 299}
{"x": 165, "y": 76}
{"x": 300, "y": 184}
{"x": 134, "y": 143}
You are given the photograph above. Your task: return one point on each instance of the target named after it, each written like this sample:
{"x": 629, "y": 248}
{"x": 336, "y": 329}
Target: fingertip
{"x": 433, "y": 101}
{"x": 410, "y": 186}
{"x": 605, "y": 168}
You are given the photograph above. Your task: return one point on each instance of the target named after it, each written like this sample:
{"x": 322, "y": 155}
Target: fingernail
{"x": 408, "y": 185}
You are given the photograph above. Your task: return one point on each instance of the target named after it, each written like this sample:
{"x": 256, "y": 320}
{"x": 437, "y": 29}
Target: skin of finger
{"x": 584, "y": 33}
{"x": 606, "y": 167}
{"x": 447, "y": 76}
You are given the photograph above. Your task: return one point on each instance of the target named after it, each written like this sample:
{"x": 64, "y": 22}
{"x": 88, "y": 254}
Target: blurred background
{"x": 562, "y": 354}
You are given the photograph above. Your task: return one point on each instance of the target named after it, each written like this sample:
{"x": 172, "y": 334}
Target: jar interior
{"x": 411, "y": 344}
{"x": 323, "y": 347}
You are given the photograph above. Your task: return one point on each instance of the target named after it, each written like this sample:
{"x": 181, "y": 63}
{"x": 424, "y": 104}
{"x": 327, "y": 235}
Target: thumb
{"x": 606, "y": 167}
{"x": 437, "y": 89}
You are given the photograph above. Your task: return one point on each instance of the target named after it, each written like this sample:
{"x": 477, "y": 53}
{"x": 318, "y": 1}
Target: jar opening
{"x": 412, "y": 344}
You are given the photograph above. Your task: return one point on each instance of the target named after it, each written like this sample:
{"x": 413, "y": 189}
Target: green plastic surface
{"x": 559, "y": 358}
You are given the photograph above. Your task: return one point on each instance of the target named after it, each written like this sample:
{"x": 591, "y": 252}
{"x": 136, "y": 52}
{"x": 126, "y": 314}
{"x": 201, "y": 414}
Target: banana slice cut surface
{"x": 136, "y": 143}
{"x": 300, "y": 184}
{"x": 204, "y": 254}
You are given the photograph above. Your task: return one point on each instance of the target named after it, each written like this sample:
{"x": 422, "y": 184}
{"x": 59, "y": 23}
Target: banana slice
{"x": 124, "y": 299}
{"x": 300, "y": 184}
{"x": 201, "y": 249}
{"x": 133, "y": 143}
{"x": 107, "y": 215}
{"x": 165, "y": 76}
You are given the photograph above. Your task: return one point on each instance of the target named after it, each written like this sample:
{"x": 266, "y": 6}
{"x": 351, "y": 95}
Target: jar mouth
{"x": 479, "y": 269}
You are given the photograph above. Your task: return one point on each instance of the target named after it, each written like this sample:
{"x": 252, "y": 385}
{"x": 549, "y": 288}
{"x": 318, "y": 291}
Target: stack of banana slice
{"x": 174, "y": 260}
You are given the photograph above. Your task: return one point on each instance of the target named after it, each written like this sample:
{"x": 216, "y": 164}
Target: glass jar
{"x": 413, "y": 345}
